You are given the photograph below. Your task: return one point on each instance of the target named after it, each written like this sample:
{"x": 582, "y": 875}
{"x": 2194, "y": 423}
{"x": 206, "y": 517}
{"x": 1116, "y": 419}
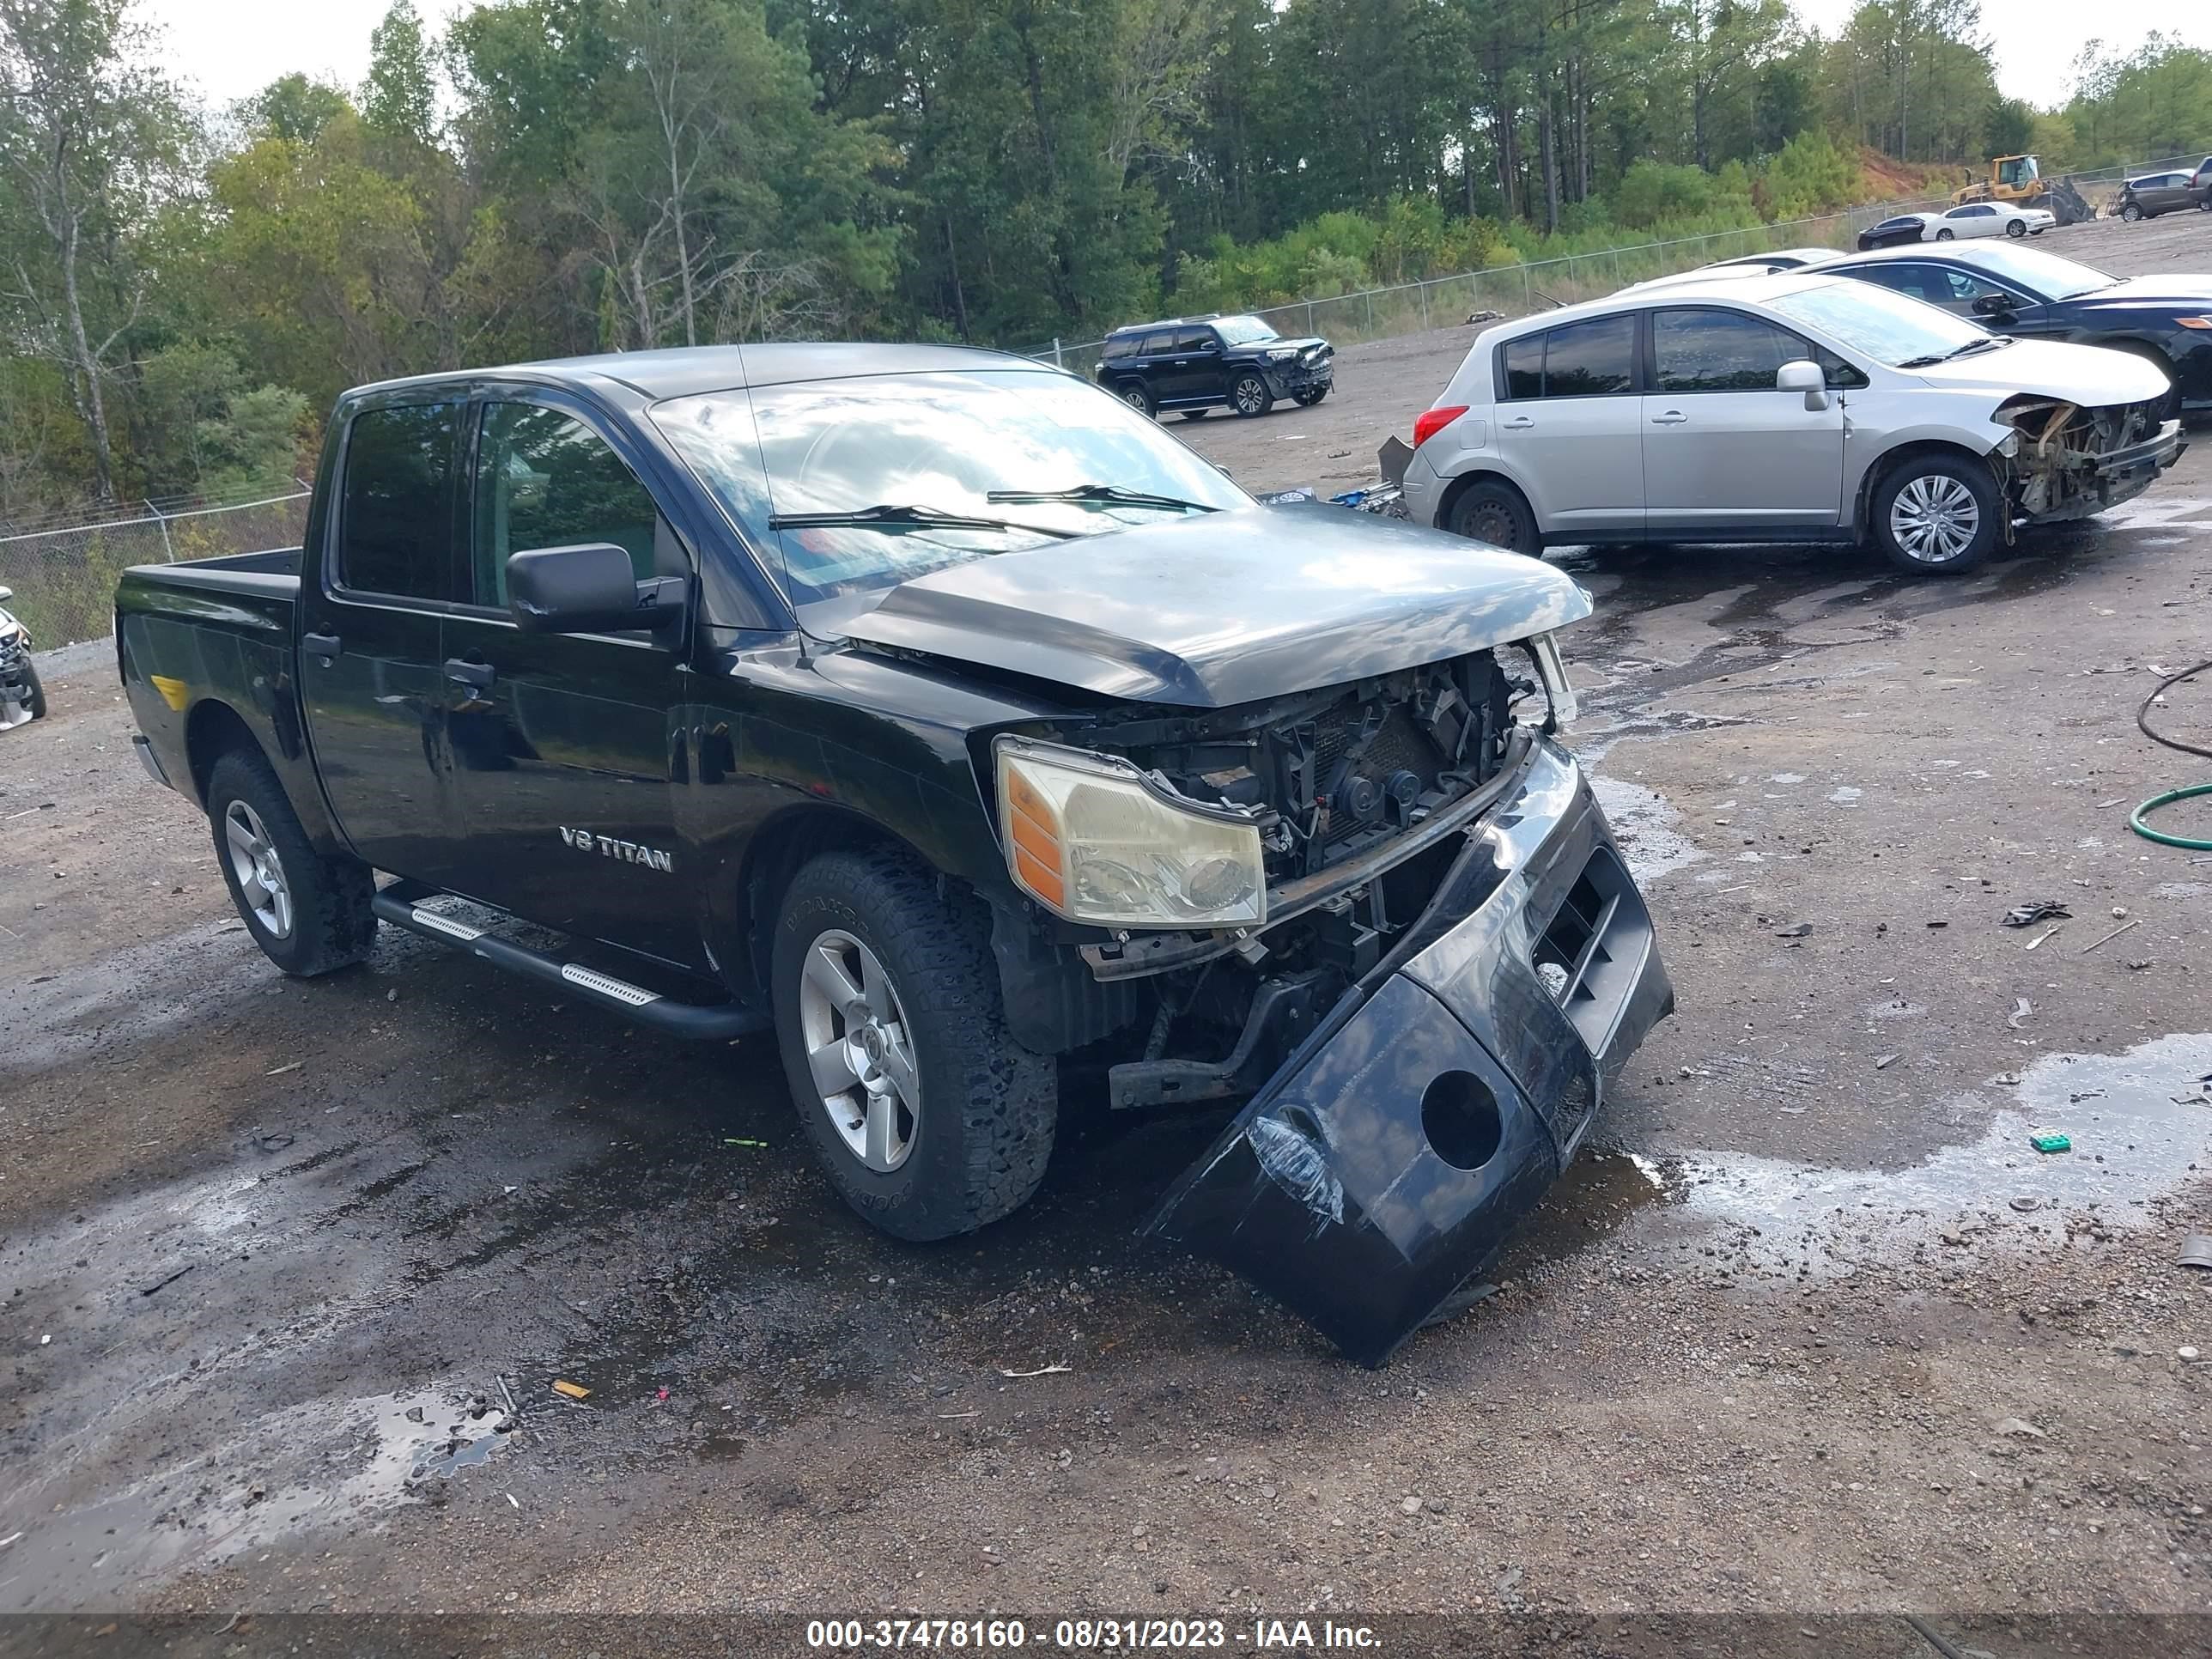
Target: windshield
{"x": 2045, "y": 276}
{"x": 1245, "y": 331}
{"x": 1887, "y": 327}
{"x": 939, "y": 441}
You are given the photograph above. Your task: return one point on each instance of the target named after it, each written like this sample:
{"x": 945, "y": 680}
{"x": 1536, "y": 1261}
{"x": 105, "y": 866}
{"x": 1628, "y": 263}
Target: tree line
{"x": 183, "y": 289}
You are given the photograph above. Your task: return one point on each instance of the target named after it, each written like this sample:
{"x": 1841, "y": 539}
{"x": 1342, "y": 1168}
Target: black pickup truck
{"x": 936, "y": 712}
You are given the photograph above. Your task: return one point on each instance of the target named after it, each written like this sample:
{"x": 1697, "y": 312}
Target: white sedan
{"x": 1974, "y": 219}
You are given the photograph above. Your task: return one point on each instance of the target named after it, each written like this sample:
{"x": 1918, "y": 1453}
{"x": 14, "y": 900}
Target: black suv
{"x": 1196, "y": 364}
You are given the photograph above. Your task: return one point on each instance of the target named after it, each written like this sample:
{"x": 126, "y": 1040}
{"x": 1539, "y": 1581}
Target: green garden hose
{"x": 2142, "y": 719}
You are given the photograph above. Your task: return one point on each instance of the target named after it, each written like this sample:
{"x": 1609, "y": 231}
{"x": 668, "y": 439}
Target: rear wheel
{"x": 928, "y": 1118}
{"x": 1491, "y": 510}
{"x": 1138, "y": 397}
{"x": 1947, "y": 235}
{"x": 1196, "y": 414}
{"x": 1250, "y": 394}
{"x": 309, "y": 914}
{"x": 1937, "y": 514}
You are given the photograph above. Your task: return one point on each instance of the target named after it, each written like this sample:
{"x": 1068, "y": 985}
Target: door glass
{"x": 1157, "y": 345}
{"x": 1524, "y": 367}
{"x": 1592, "y": 359}
{"x": 1191, "y": 344}
{"x": 395, "y": 512}
{"x": 1961, "y": 291}
{"x": 1719, "y": 351}
{"x": 545, "y": 479}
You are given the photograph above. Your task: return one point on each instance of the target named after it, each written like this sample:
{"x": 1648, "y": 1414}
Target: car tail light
{"x": 1427, "y": 425}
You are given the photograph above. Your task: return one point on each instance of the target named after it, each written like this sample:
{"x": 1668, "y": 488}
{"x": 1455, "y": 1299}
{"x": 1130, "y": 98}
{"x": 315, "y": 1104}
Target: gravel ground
{"x": 1812, "y": 1332}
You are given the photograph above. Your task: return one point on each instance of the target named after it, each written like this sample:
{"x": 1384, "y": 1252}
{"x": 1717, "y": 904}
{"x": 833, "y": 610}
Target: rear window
{"x": 396, "y": 511}
{"x": 1595, "y": 359}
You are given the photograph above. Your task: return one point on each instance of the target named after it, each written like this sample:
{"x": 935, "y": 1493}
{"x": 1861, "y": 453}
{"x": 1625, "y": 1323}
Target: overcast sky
{"x": 233, "y": 47}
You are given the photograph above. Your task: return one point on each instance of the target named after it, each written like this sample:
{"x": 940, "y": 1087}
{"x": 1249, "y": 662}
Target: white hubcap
{"x": 1935, "y": 519}
{"x": 858, "y": 1051}
{"x": 261, "y": 883}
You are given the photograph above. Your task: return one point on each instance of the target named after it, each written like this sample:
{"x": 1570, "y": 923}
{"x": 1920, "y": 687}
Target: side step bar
{"x": 714, "y": 1023}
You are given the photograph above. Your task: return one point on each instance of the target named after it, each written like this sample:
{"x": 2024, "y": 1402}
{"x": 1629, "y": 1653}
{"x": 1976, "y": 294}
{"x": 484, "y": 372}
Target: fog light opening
{"x": 1459, "y": 1115}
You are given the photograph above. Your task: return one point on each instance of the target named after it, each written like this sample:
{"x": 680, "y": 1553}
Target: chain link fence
{"x": 64, "y": 578}
{"x": 1382, "y": 313}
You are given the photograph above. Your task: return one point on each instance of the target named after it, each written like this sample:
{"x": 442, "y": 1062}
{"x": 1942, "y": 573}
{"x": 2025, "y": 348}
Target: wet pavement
{"x": 288, "y": 1271}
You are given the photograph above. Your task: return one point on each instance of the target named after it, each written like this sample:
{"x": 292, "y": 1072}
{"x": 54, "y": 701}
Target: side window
{"x": 1121, "y": 346}
{"x": 1590, "y": 359}
{"x": 1707, "y": 350}
{"x": 1524, "y": 367}
{"x": 1913, "y": 280}
{"x": 1193, "y": 340}
{"x": 545, "y": 479}
{"x": 396, "y": 509}
{"x": 1959, "y": 291}
{"x": 1157, "y": 345}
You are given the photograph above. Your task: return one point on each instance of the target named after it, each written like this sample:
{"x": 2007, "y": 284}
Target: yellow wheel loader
{"x": 2019, "y": 179}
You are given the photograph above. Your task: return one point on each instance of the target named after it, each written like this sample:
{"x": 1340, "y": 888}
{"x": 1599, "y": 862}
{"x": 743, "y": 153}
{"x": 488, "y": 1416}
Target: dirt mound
{"x": 1889, "y": 179}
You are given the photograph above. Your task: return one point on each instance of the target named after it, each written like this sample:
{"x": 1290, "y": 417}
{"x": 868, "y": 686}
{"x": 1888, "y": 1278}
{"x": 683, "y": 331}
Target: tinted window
{"x": 1592, "y": 359}
{"x": 1196, "y": 340}
{"x": 1524, "y": 367}
{"x": 396, "y": 518}
{"x": 545, "y": 479}
{"x": 1157, "y": 343}
{"x": 1719, "y": 351}
{"x": 1121, "y": 346}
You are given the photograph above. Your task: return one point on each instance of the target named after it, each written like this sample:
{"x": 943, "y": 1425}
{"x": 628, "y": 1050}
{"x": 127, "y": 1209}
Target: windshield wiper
{"x": 1106, "y": 495}
{"x": 890, "y": 515}
{"x": 1932, "y": 358}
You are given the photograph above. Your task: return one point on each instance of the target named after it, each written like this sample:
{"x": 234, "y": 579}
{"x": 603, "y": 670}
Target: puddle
{"x": 1644, "y": 822}
{"x": 2133, "y": 1137}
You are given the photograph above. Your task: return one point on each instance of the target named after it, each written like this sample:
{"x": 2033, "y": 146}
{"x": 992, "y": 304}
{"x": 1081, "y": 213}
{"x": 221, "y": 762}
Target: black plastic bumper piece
{"x": 1432, "y": 1108}
{"x": 698, "y": 1021}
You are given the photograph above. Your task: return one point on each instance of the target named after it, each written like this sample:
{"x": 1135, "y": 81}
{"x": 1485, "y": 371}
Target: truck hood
{"x": 1218, "y": 609}
{"x": 2092, "y": 376}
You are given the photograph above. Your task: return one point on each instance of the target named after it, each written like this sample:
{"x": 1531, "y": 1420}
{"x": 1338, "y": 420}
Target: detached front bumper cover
{"x": 1387, "y": 1159}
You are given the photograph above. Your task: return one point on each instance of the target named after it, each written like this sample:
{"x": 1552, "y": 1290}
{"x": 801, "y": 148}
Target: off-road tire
{"x": 332, "y": 926}
{"x": 1250, "y": 403}
{"x": 1980, "y": 482}
{"x": 1490, "y": 510}
{"x": 37, "y": 704}
{"x": 984, "y": 1130}
{"x": 1138, "y": 397}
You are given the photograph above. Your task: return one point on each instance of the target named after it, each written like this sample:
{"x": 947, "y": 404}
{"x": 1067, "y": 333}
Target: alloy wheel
{"x": 860, "y": 1050}
{"x": 1250, "y": 395}
{"x": 260, "y": 872}
{"x": 1935, "y": 519}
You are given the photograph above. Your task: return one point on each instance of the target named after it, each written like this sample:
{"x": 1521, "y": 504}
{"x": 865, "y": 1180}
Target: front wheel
{"x": 1196, "y": 414}
{"x": 1251, "y": 396}
{"x": 1311, "y": 396}
{"x": 2017, "y": 227}
{"x": 309, "y": 914}
{"x": 1937, "y": 516}
{"x": 2131, "y": 213}
{"x": 928, "y": 1118}
{"x": 1493, "y": 512}
{"x": 37, "y": 701}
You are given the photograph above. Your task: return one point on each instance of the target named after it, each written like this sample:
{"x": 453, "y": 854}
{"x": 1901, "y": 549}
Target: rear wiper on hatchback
{"x": 1107, "y": 495}
{"x": 890, "y": 515}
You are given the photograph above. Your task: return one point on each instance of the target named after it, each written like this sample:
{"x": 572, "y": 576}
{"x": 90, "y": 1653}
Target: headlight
{"x": 1090, "y": 838}
{"x": 1282, "y": 354}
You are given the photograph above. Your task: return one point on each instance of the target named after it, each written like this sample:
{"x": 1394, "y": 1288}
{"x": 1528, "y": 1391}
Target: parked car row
{"x": 1954, "y": 224}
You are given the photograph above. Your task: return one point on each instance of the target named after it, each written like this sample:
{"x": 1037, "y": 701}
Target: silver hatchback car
{"x": 1795, "y": 407}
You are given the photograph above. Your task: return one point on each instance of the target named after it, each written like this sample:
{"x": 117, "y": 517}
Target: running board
{"x": 709, "y": 1022}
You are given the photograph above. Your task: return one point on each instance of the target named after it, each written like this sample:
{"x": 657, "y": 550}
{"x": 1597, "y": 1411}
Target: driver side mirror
{"x": 588, "y": 589}
{"x": 1804, "y": 376}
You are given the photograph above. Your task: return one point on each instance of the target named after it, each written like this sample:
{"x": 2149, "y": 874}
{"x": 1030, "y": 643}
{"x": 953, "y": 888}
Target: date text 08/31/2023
{"x": 1089, "y": 1635}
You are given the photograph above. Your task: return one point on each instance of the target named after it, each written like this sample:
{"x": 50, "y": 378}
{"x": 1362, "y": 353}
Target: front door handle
{"x": 1519, "y": 423}
{"x": 321, "y": 645}
{"x": 1672, "y": 418}
{"x": 477, "y": 676}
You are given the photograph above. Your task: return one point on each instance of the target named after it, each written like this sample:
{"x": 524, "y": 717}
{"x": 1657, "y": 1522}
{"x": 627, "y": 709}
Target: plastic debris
{"x": 1801, "y": 931}
{"x": 2021, "y": 1008}
{"x": 281, "y": 1070}
{"x": 732, "y": 1140}
{"x": 572, "y": 1391}
{"x": 1042, "y": 1371}
{"x": 2024, "y": 916}
{"x": 1885, "y": 1062}
{"x": 2051, "y": 1141}
{"x": 2018, "y": 1426}
{"x": 2197, "y": 1251}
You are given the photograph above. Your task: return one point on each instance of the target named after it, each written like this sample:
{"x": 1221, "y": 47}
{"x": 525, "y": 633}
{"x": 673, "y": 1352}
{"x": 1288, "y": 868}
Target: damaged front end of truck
{"x": 1380, "y": 919}
{"x": 2065, "y": 460}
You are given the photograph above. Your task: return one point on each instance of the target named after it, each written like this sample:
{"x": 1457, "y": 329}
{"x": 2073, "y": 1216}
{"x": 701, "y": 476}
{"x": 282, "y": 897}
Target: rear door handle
{"x": 478, "y": 676}
{"x": 1672, "y": 418}
{"x": 1519, "y": 423}
{"x": 321, "y": 645}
